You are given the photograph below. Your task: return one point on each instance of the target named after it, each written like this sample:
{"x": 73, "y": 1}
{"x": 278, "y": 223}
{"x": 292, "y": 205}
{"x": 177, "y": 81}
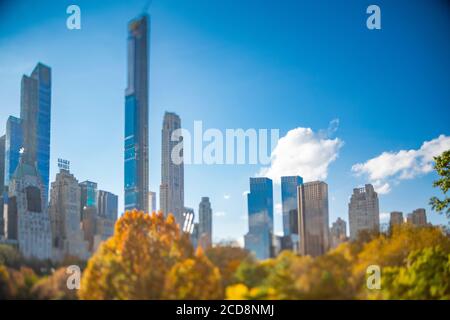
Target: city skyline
{"x": 339, "y": 174}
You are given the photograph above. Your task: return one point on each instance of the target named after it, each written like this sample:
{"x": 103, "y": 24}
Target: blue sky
{"x": 244, "y": 64}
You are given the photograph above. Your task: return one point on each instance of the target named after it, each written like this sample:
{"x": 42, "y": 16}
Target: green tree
{"x": 426, "y": 276}
{"x": 442, "y": 166}
{"x": 10, "y": 256}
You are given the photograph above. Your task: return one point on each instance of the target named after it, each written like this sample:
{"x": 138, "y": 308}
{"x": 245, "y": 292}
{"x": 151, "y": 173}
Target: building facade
{"x": 396, "y": 218}
{"x": 363, "y": 211}
{"x": 136, "y": 154}
{"x": 152, "y": 201}
{"x": 88, "y": 194}
{"x": 2, "y": 181}
{"x": 27, "y": 220}
{"x": 65, "y": 216}
{"x": 107, "y": 204}
{"x": 338, "y": 233}
{"x": 13, "y": 145}
{"x": 260, "y": 218}
{"x": 313, "y": 218}
{"x": 205, "y": 223}
{"x": 289, "y": 204}
{"x": 172, "y": 172}
{"x": 35, "y": 112}
{"x": 417, "y": 218}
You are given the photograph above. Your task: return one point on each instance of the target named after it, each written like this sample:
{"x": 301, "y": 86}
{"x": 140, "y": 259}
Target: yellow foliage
{"x": 194, "y": 279}
{"x": 134, "y": 262}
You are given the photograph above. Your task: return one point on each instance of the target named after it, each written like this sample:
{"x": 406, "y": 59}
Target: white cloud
{"x": 384, "y": 216}
{"x": 304, "y": 152}
{"x": 226, "y": 196}
{"x": 220, "y": 214}
{"x": 391, "y": 167}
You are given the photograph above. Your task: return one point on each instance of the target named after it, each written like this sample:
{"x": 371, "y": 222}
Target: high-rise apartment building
{"x": 152, "y": 201}
{"x": 172, "y": 170}
{"x": 363, "y": 211}
{"x": 35, "y": 112}
{"x": 136, "y": 152}
{"x": 205, "y": 223}
{"x": 417, "y": 218}
{"x": 338, "y": 233}
{"x": 289, "y": 204}
{"x": 260, "y": 218}
{"x": 65, "y": 216}
{"x": 313, "y": 218}
{"x": 2, "y": 181}
{"x": 13, "y": 145}
{"x": 107, "y": 205}
{"x": 88, "y": 194}
{"x": 396, "y": 218}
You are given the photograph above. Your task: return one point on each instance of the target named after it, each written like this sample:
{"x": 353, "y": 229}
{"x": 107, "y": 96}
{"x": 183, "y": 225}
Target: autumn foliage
{"x": 415, "y": 264}
{"x": 148, "y": 258}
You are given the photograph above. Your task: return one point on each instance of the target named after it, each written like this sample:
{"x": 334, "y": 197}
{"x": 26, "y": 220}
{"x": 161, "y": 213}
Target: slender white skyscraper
{"x": 172, "y": 173}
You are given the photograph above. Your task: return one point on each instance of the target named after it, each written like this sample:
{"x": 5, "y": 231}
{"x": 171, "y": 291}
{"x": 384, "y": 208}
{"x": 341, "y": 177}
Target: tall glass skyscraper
{"x": 260, "y": 218}
{"x": 171, "y": 191}
{"x": 289, "y": 203}
{"x": 35, "y": 112}
{"x": 136, "y": 117}
{"x": 88, "y": 195}
{"x": 2, "y": 179}
{"x": 107, "y": 205}
{"x": 13, "y": 144}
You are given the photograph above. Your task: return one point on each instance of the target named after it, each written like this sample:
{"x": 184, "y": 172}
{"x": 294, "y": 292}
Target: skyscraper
{"x": 417, "y": 218}
{"x": 35, "y": 112}
{"x": 338, "y": 232}
{"x": 172, "y": 173}
{"x": 13, "y": 144}
{"x": 205, "y": 223}
{"x": 65, "y": 216}
{"x": 107, "y": 204}
{"x": 152, "y": 201}
{"x": 396, "y": 218}
{"x": 2, "y": 180}
{"x": 313, "y": 218}
{"x": 89, "y": 194}
{"x": 260, "y": 218}
{"x": 363, "y": 211}
{"x": 136, "y": 178}
{"x": 290, "y": 211}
